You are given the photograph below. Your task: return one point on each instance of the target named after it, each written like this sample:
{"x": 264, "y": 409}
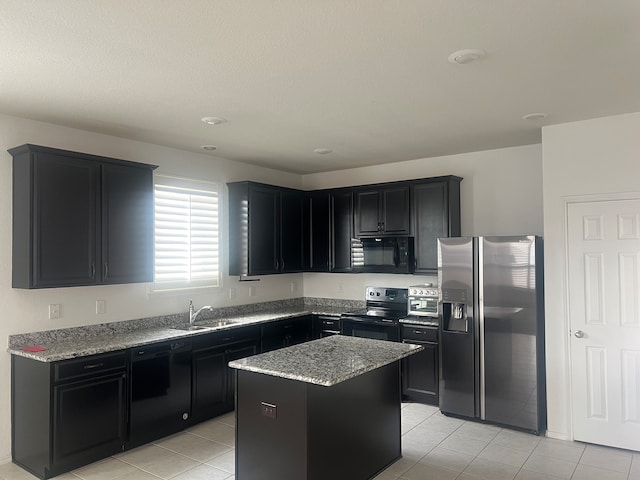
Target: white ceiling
{"x": 367, "y": 78}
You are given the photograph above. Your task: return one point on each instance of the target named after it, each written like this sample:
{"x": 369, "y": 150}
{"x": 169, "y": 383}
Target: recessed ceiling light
{"x": 462, "y": 57}
{"x": 213, "y": 120}
{"x": 534, "y": 117}
{"x": 322, "y": 151}
{"x": 208, "y": 147}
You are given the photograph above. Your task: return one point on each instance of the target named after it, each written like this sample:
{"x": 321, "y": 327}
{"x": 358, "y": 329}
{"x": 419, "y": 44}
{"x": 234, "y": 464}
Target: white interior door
{"x": 604, "y": 318}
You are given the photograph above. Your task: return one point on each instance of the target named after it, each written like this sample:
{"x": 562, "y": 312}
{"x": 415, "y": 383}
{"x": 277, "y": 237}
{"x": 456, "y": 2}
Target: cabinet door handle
{"x": 93, "y": 271}
{"x": 382, "y": 226}
{"x": 106, "y": 270}
{"x": 275, "y": 264}
{"x": 282, "y": 265}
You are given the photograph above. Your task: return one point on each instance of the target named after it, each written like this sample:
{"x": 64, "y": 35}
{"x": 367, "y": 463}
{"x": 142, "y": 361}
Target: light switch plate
{"x": 101, "y": 307}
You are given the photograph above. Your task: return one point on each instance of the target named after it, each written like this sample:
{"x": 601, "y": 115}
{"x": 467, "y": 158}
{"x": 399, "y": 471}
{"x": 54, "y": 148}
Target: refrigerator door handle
{"x": 480, "y": 324}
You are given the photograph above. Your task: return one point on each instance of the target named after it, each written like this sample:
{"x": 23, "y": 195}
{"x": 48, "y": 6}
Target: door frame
{"x": 567, "y": 201}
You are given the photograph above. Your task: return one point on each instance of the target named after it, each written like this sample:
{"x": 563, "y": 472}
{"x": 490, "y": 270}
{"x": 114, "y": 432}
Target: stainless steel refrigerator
{"x": 492, "y": 330}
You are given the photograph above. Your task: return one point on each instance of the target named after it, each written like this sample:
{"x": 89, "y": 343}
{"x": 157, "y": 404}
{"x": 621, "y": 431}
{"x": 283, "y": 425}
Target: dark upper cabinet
{"x": 341, "y": 229}
{"x": 80, "y": 219}
{"x": 265, "y": 229}
{"x": 316, "y": 231}
{"x": 383, "y": 210}
{"x": 291, "y": 220}
{"x": 127, "y": 224}
{"x": 436, "y": 213}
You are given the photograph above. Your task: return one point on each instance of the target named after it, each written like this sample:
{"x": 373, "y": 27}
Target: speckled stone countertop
{"x": 327, "y": 361}
{"x": 64, "y": 344}
{"x": 418, "y": 320}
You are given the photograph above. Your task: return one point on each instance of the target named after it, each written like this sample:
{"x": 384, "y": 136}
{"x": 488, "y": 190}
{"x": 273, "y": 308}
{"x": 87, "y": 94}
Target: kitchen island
{"x": 328, "y": 408}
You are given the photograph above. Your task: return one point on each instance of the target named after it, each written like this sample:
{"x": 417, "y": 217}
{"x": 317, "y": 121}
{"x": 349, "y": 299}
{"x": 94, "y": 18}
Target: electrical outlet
{"x": 294, "y": 287}
{"x": 252, "y": 290}
{"x": 232, "y": 293}
{"x": 101, "y": 307}
{"x": 339, "y": 288}
{"x": 269, "y": 410}
{"x": 54, "y": 311}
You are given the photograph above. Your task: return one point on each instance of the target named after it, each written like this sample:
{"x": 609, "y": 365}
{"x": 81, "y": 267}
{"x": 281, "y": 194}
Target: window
{"x": 187, "y": 253}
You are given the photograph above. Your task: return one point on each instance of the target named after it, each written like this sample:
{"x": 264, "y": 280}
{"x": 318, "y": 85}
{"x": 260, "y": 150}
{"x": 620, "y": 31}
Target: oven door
{"x": 378, "y": 329}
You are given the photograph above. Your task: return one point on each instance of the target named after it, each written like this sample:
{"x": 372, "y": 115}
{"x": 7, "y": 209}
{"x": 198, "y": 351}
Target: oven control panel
{"x": 422, "y": 291}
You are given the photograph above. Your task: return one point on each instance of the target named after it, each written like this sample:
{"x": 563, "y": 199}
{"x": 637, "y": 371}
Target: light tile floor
{"x": 434, "y": 447}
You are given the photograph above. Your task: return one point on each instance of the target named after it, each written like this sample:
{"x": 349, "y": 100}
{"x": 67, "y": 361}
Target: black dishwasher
{"x": 160, "y": 390}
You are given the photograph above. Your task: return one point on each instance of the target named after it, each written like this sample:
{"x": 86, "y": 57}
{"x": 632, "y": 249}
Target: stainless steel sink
{"x": 208, "y": 326}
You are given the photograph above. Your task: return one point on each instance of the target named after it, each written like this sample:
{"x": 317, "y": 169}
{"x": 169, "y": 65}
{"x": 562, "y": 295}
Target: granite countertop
{"x": 420, "y": 320}
{"x": 327, "y": 361}
{"x": 84, "y": 341}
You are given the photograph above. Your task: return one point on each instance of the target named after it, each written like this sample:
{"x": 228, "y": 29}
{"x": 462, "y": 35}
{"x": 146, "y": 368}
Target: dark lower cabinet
{"x": 68, "y": 414}
{"x": 325, "y": 326}
{"x": 213, "y": 386}
{"x": 420, "y": 374}
{"x": 285, "y": 333}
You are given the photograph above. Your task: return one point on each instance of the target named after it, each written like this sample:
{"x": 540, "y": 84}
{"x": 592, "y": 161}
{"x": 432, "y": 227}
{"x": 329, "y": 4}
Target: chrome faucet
{"x": 193, "y": 314}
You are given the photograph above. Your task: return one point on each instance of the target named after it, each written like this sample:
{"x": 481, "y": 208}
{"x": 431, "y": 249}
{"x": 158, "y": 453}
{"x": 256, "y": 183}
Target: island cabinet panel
{"x": 436, "y": 213}
{"x": 265, "y": 229}
{"x": 80, "y": 219}
{"x": 68, "y": 414}
{"x": 383, "y": 211}
{"x": 287, "y": 429}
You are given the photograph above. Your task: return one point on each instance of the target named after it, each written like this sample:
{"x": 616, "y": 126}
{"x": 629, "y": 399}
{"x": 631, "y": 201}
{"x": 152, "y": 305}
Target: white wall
{"x": 500, "y": 194}
{"x": 600, "y": 156}
{"x": 27, "y": 310}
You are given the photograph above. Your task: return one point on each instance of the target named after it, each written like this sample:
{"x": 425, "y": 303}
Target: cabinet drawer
{"x": 96, "y": 364}
{"x": 285, "y": 327}
{"x": 232, "y": 335}
{"x": 330, "y": 323}
{"x": 418, "y": 333}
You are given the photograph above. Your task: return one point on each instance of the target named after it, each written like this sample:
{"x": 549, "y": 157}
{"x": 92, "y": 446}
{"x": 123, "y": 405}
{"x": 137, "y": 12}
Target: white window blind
{"x": 187, "y": 247}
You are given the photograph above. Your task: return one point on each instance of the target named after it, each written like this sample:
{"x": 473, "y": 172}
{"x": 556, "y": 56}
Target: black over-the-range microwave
{"x": 382, "y": 254}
